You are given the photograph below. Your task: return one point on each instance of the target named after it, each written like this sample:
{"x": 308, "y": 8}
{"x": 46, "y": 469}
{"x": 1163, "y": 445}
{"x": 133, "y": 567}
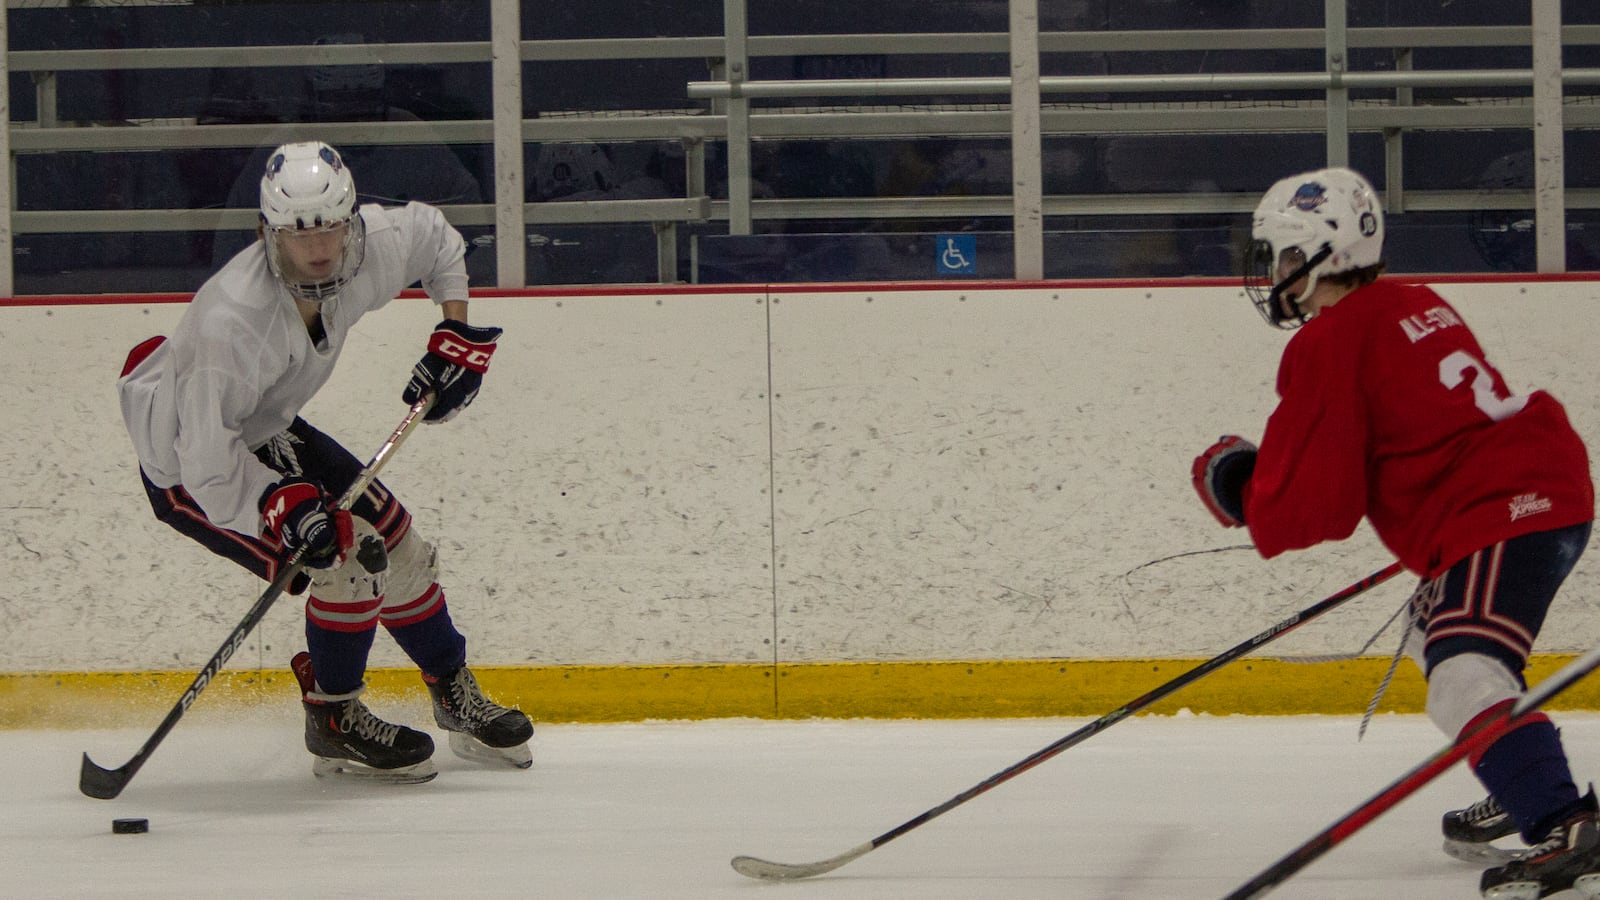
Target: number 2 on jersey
{"x": 1453, "y": 370}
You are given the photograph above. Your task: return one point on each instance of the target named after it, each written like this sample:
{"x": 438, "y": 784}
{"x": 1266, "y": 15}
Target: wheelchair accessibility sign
{"x": 956, "y": 254}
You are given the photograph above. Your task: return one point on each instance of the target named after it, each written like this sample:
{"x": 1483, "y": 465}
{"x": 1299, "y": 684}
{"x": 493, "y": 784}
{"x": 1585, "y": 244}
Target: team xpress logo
{"x": 1524, "y": 505}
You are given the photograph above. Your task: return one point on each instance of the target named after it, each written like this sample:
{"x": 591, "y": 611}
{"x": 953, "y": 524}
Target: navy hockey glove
{"x": 458, "y": 355}
{"x": 295, "y": 513}
{"x": 1220, "y": 475}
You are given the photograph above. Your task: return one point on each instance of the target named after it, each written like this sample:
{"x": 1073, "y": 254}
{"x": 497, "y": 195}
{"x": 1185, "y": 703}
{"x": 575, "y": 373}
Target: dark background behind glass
{"x": 798, "y": 250}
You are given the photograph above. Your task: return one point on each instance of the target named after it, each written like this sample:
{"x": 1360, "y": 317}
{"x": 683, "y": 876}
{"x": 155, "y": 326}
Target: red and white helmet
{"x": 307, "y": 189}
{"x": 1328, "y": 221}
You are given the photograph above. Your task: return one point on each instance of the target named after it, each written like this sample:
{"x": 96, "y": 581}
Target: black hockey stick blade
{"x": 101, "y": 783}
{"x": 1485, "y": 734}
{"x": 105, "y": 784}
{"x": 768, "y": 870}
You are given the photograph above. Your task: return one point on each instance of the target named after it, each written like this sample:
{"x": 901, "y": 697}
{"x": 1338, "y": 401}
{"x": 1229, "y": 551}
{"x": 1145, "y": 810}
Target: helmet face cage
{"x": 352, "y": 250}
{"x": 307, "y": 191}
{"x": 1260, "y": 274}
{"x": 1331, "y": 217}
{"x": 1270, "y": 295}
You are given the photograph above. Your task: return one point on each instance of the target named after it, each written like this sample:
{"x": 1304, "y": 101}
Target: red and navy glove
{"x": 458, "y": 355}
{"x": 295, "y": 513}
{"x": 1220, "y": 475}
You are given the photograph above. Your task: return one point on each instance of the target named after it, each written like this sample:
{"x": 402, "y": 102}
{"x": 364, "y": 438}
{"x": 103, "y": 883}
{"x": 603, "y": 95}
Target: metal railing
{"x": 728, "y": 107}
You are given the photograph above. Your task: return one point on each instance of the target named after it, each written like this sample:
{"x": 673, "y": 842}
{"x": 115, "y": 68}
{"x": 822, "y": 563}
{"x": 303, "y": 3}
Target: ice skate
{"x": 480, "y": 729}
{"x": 1568, "y": 859}
{"x": 1470, "y": 833}
{"x": 348, "y": 740}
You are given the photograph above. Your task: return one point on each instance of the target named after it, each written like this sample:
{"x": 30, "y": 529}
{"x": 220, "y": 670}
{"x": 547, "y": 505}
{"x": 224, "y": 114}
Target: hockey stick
{"x": 777, "y": 871}
{"x": 106, "y": 784}
{"x": 1485, "y": 734}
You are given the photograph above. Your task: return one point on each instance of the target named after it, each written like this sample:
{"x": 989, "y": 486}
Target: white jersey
{"x": 240, "y": 365}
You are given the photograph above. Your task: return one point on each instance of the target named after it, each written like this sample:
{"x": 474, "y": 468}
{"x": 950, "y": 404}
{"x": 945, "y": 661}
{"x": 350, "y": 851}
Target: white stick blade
{"x": 1482, "y": 854}
{"x": 751, "y": 867}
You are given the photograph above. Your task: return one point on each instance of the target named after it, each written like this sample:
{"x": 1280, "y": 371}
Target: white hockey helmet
{"x": 1319, "y": 223}
{"x": 307, "y": 193}
{"x": 572, "y": 168}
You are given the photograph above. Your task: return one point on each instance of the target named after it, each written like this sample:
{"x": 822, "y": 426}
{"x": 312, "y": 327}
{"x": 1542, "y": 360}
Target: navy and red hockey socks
{"x": 1526, "y": 770}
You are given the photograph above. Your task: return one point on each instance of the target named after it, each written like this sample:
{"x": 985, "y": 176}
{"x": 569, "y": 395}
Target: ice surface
{"x": 1155, "y": 808}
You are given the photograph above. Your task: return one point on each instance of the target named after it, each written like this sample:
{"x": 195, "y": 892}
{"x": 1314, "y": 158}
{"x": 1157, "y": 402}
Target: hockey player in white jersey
{"x": 214, "y": 414}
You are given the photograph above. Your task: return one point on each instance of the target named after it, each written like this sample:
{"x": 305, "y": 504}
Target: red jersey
{"x": 1388, "y": 409}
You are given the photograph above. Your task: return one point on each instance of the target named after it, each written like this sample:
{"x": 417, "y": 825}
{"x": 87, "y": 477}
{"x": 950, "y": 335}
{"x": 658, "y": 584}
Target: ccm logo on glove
{"x": 452, "y": 371}
{"x": 473, "y": 356}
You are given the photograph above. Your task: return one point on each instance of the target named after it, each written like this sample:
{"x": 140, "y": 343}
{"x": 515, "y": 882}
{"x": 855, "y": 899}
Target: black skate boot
{"x": 1569, "y": 858}
{"x": 347, "y": 739}
{"x": 480, "y": 729}
{"x": 1469, "y": 833}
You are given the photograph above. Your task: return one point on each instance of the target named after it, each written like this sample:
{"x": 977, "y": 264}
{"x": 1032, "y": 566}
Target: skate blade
{"x": 1481, "y": 854}
{"x": 474, "y": 750}
{"x": 1514, "y": 890}
{"x": 327, "y": 767}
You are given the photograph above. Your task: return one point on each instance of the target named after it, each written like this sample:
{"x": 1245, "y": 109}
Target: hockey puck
{"x": 130, "y": 826}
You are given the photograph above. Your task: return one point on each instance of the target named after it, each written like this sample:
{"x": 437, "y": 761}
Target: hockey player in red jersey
{"x": 226, "y": 459}
{"x": 1389, "y": 409}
